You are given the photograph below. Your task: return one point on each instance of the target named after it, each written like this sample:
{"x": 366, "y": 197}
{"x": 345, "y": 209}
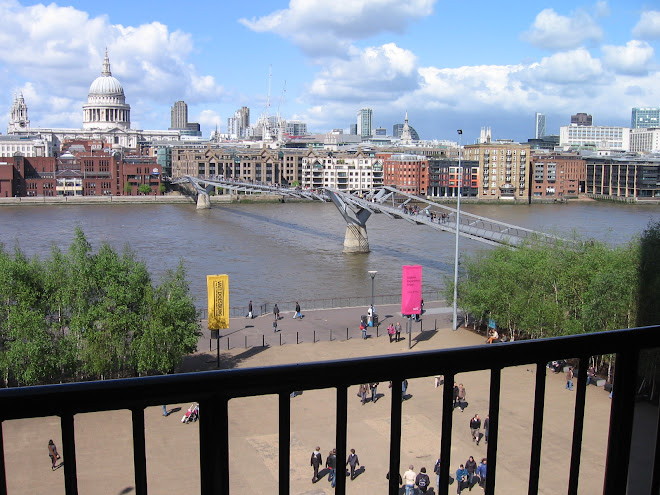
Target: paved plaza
{"x": 104, "y": 444}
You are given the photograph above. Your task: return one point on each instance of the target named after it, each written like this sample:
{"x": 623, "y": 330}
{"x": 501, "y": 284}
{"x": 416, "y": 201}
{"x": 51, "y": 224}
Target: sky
{"x": 449, "y": 65}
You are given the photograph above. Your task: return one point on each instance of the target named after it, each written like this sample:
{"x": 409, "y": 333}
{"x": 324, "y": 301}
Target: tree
{"x": 162, "y": 188}
{"x": 144, "y": 189}
{"x": 173, "y": 327}
{"x": 128, "y": 188}
{"x": 80, "y": 314}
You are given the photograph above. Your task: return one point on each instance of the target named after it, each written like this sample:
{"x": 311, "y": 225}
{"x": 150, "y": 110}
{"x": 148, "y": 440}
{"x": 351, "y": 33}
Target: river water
{"x": 293, "y": 251}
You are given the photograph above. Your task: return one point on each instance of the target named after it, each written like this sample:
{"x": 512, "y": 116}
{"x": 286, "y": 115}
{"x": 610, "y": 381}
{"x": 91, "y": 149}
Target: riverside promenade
{"x": 104, "y": 443}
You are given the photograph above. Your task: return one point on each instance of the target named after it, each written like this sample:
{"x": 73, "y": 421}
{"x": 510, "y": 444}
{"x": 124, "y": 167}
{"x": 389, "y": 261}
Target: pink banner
{"x": 411, "y": 290}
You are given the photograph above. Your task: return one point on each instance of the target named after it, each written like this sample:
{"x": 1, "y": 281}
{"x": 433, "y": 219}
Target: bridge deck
{"x": 393, "y": 203}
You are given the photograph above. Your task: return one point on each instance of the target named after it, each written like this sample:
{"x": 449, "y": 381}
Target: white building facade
{"x": 349, "y": 173}
{"x": 645, "y": 140}
{"x": 599, "y": 137}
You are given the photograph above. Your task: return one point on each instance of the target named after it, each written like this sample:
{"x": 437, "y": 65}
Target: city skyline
{"x": 449, "y": 66}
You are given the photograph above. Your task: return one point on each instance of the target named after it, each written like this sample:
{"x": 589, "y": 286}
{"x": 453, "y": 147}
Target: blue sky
{"x": 450, "y": 65}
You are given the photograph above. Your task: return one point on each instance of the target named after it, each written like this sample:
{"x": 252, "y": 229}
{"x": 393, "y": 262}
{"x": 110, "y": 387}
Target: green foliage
{"x": 128, "y": 188}
{"x": 80, "y": 315}
{"x": 162, "y": 188}
{"x": 144, "y": 189}
{"x": 649, "y": 276}
{"x": 542, "y": 290}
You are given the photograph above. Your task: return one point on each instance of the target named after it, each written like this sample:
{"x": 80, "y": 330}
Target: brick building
{"x": 557, "y": 175}
{"x": 409, "y": 173}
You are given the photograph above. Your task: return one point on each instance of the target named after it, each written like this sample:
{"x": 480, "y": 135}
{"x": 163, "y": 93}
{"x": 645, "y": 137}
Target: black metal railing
{"x": 214, "y": 389}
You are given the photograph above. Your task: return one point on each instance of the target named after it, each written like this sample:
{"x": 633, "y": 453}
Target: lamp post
{"x": 458, "y": 219}
{"x": 373, "y": 275}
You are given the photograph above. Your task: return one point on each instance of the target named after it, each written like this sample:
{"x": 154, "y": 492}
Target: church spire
{"x": 106, "y": 65}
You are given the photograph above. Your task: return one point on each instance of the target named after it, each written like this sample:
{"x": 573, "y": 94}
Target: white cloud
{"x": 557, "y": 32}
{"x": 209, "y": 119}
{"x": 648, "y": 26}
{"x": 59, "y": 51}
{"x": 375, "y": 73}
{"x": 570, "y": 67}
{"x": 636, "y": 58}
{"x": 327, "y": 27}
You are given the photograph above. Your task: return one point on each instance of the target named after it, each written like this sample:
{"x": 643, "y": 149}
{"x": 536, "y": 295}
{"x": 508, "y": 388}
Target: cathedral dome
{"x": 105, "y": 84}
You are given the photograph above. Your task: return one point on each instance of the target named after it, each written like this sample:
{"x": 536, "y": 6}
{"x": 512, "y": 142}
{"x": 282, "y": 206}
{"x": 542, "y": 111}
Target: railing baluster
{"x": 621, "y": 422}
{"x": 284, "y": 443}
{"x": 69, "y": 454}
{"x": 493, "y": 415}
{"x": 578, "y": 426}
{"x": 214, "y": 445}
{"x": 395, "y": 436}
{"x": 447, "y": 423}
{"x": 537, "y": 430}
{"x": 341, "y": 430}
{"x": 139, "y": 452}
{"x": 655, "y": 482}
{"x": 3, "y": 474}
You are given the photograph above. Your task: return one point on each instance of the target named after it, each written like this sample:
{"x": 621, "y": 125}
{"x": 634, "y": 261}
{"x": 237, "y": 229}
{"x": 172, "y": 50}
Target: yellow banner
{"x": 218, "y": 293}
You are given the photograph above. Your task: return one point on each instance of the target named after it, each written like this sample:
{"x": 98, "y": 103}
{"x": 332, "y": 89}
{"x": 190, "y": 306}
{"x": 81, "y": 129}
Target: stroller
{"x": 192, "y": 414}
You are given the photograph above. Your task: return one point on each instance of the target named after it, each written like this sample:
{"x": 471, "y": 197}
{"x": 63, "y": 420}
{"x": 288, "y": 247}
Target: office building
{"x": 643, "y": 118}
{"x": 179, "y": 114}
{"x": 594, "y": 137}
{"x": 582, "y": 119}
{"x": 365, "y": 122}
{"x": 539, "y": 126}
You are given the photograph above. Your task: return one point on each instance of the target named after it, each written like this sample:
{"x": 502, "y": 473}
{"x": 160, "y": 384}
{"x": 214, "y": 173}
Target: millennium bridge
{"x": 357, "y": 206}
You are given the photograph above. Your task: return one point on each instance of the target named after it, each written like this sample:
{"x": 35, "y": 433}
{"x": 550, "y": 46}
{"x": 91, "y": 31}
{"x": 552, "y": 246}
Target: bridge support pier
{"x": 203, "y": 201}
{"x": 356, "y": 240}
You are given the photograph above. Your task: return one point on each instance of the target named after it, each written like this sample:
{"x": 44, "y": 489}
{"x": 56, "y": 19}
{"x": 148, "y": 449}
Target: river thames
{"x": 293, "y": 251}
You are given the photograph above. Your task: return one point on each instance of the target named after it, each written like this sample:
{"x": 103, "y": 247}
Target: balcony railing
{"x": 214, "y": 389}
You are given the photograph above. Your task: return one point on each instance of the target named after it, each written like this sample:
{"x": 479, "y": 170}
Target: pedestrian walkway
{"x": 320, "y": 325}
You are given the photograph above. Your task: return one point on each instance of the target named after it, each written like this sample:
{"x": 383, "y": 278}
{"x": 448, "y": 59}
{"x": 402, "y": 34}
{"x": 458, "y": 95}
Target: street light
{"x": 373, "y": 275}
{"x": 458, "y": 219}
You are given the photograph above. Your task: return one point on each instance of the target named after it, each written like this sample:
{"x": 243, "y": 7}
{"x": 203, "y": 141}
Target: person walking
{"x": 422, "y": 480}
{"x": 461, "y": 479}
{"x": 249, "y": 315}
{"x": 461, "y": 396}
{"x": 397, "y": 331}
{"x": 165, "y": 413}
{"x": 390, "y": 332}
{"x": 362, "y": 392}
{"x": 353, "y": 461}
{"x": 409, "y": 480}
{"x": 297, "y": 313}
{"x": 370, "y": 316}
{"x": 475, "y": 426}
{"x": 276, "y": 312}
{"x": 404, "y": 388}
{"x": 436, "y": 470}
{"x": 374, "y": 391}
{"x": 481, "y": 472}
{"x": 315, "y": 463}
{"x": 274, "y": 326}
{"x": 52, "y": 453}
{"x": 569, "y": 378}
{"x": 455, "y": 394}
{"x": 486, "y": 427}
{"x": 363, "y": 327}
{"x": 471, "y": 468}
{"x": 331, "y": 464}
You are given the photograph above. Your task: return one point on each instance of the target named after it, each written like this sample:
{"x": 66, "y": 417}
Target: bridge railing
{"x": 213, "y": 390}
